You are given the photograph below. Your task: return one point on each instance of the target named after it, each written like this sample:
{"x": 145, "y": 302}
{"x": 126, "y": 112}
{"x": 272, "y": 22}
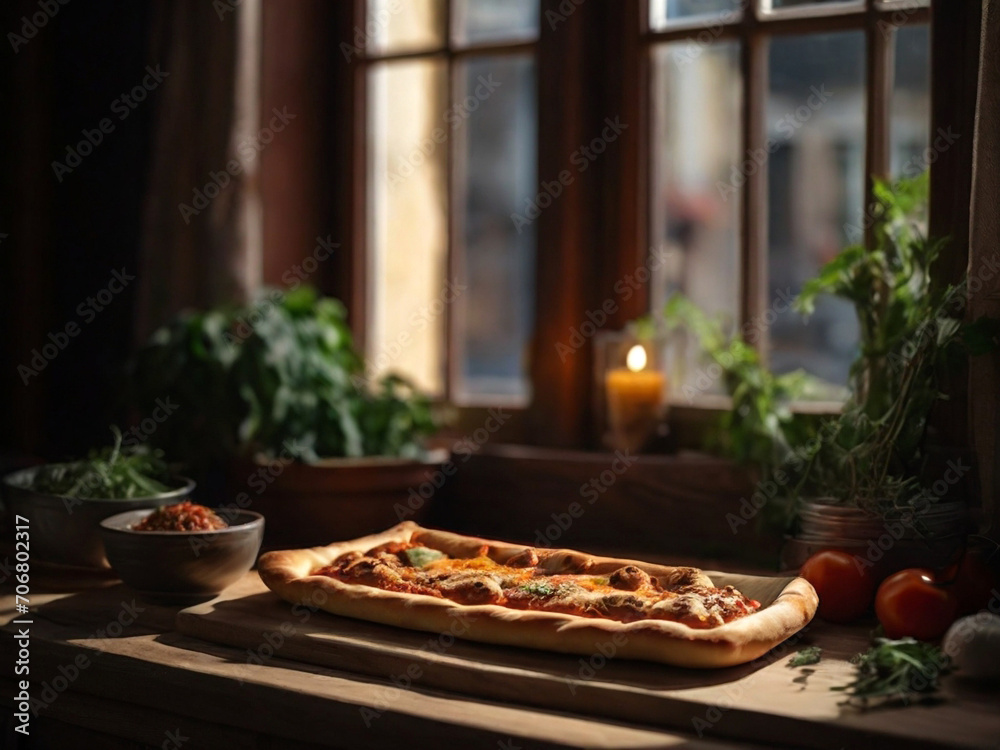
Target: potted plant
{"x": 874, "y": 483}
{"x": 275, "y": 391}
{"x": 869, "y": 480}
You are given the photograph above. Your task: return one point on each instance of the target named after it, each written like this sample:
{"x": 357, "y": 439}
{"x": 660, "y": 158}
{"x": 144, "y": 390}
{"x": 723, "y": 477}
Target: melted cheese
{"x": 483, "y": 580}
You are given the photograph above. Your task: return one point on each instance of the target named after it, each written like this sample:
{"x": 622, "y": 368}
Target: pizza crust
{"x": 287, "y": 573}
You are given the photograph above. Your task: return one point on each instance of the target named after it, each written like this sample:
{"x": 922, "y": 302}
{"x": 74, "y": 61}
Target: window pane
{"x": 776, "y": 4}
{"x": 477, "y": 21}
{"x": 403, "y": 25}
{"x": 910, "y": 109}
{"x": 815, "y": 128}
{"x": 495, "y": 176}
{"x": 696, "y": 200}
{"x": 663, "y": 13}
{"x": 407, "y": 220}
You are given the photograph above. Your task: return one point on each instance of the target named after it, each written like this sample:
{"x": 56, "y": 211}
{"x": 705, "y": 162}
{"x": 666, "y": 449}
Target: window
{"x": 767, "y": 119}
{"x": 451, "y": 121}
{"x": 753, "y": 127}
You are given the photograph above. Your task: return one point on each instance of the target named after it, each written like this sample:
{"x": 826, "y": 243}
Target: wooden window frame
{"x": 753, "y": 30}
{"x": 600, "y": 229}
{"x": 451, "y": 53}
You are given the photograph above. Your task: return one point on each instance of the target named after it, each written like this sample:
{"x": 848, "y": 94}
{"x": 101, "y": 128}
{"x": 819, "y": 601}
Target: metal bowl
{"x": 180, "y": 566}
{"x": 821, "y": 520}
{"x": 66, "y": 530}
{"x": 932, "y": 538}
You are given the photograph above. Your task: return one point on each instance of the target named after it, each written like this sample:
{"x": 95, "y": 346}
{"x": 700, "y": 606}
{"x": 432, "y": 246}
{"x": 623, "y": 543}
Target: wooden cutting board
{"x": 764, "y": 701}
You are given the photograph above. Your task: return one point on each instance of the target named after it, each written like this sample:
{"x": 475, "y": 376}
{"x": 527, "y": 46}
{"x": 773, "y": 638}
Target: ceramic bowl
{"x": 182, "y": 565}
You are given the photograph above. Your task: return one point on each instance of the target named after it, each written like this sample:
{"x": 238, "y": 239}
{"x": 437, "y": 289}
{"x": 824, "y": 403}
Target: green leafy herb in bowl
{"x": 111, "y": 473}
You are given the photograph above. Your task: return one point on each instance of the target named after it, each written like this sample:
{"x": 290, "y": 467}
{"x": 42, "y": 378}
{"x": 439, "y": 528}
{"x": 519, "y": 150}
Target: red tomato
{"x": 845, "y": 588}
{"x": 974, "y": 584}
{"x": 912, "y": 603}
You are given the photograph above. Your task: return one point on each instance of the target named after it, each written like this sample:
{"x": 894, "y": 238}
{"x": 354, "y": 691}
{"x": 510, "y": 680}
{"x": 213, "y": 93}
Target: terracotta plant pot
{"x": 309, "y": 505}
{"x": 933, "y": 539}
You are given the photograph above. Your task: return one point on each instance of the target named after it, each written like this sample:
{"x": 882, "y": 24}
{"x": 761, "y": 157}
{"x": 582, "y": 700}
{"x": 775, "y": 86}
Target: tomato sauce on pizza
{"x": 521, "y": 581}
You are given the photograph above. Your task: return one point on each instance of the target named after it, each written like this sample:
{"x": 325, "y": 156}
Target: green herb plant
{"x": 911, "y": 332}
{"x": 111, "y": 473}
{"x": 760, "y": 429}
{"x": 279, "y": 376}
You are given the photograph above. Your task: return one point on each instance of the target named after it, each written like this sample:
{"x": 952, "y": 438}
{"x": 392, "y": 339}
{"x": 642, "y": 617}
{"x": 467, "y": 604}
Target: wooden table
{"x": 143, "y": 683}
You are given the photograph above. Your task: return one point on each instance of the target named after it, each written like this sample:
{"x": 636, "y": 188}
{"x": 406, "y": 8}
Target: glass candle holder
{"x": 633, "y": 383}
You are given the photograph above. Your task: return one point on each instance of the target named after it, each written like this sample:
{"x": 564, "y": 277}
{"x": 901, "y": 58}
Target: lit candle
{"x": 635, "y": 398}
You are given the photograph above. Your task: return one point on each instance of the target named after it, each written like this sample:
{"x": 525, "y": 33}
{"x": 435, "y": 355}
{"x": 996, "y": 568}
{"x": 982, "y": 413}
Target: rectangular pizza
{"x": 551, "y": 599}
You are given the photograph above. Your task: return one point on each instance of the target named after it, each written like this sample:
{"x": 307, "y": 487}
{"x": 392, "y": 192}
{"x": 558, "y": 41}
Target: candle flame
{"x": 636, "y": 359}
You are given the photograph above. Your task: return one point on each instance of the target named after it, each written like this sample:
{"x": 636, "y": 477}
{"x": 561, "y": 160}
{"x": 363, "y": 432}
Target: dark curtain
{"x": 984, "y": 262}
{"x": 193, "y": 242}
{"x": 71, "y": 213}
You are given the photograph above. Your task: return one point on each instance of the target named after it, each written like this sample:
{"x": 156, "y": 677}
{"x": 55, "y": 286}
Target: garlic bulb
{"x": 973, "y": 643}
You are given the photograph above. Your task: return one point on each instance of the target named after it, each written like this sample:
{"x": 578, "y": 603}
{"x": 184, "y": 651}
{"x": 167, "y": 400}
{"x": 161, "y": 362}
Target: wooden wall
{"x": 665, "y": 506}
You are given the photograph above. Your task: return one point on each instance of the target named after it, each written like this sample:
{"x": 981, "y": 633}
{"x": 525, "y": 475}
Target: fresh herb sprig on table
{"x": 111, "y": 473}
{"x": 896, "y": 671}
{"x": 805, "y": 657}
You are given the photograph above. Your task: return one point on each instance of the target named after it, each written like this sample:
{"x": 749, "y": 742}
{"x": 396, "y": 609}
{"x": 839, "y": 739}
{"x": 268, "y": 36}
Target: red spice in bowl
{"x": 184, "y": 516}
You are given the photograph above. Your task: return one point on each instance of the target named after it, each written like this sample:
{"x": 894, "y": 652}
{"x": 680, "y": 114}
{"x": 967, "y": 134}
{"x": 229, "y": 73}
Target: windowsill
{"x": 813, "y": 11}
{"x": 508, "y": 426}
{"x": 711, "y": 402}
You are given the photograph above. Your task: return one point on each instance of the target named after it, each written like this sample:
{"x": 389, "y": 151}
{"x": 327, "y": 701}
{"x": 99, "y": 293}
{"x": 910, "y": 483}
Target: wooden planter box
{"x": 684, "y": 505}
{"x": 308, "y": 505}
